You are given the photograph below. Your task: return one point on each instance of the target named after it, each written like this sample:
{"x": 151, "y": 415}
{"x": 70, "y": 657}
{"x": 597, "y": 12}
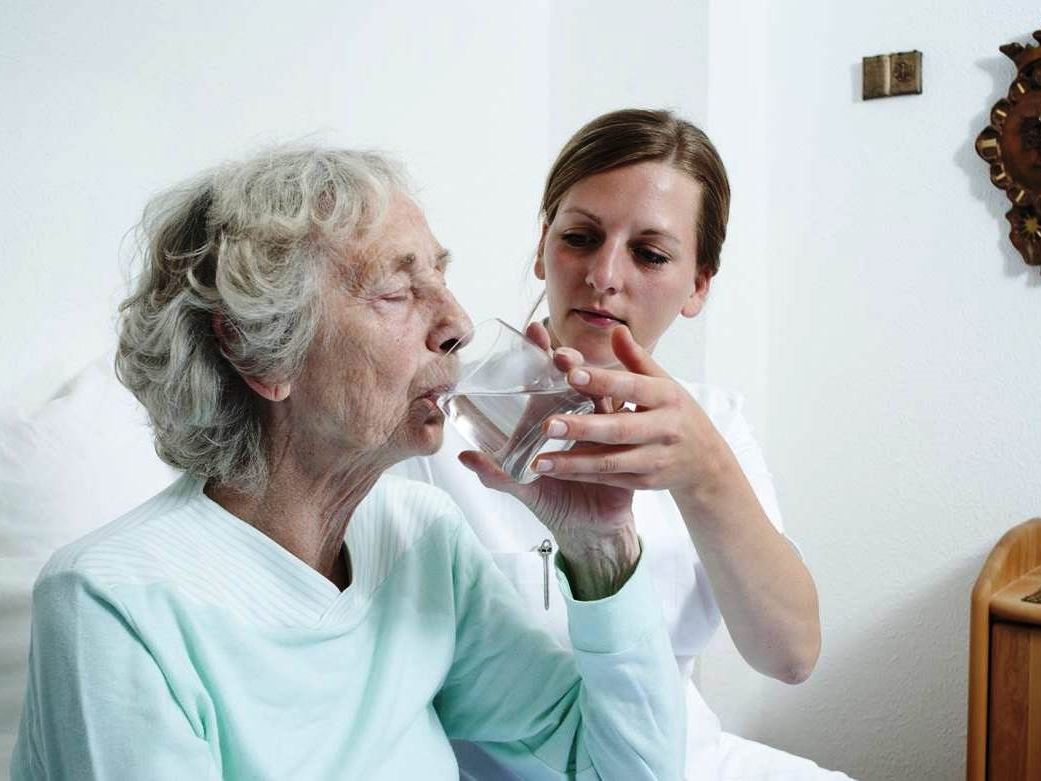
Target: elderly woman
{"x": 281, "y": 611}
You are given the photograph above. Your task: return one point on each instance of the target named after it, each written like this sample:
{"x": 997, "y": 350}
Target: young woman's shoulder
{"x": 722, "y": 405}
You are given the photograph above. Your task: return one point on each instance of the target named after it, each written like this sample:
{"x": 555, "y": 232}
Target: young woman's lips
{"x": 598, "y": 320}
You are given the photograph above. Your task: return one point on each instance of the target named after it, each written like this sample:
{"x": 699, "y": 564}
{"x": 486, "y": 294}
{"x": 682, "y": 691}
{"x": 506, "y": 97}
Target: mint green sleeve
{"x": 613, "y": 708}
{"x": 97, "y": 704}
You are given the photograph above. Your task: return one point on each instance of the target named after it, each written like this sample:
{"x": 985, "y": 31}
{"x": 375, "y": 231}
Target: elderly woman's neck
{"x": 305, "y": 514}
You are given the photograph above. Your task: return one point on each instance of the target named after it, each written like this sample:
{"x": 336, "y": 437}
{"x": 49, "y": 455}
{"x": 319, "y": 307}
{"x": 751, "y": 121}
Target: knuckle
{"x": 671, "y": 437}
{"x": 576, "y": 428}
{"x": 606, "y": 465}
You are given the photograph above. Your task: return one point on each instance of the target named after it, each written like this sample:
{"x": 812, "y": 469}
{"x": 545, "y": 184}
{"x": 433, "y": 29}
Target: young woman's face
{"x": 622, "y": 249}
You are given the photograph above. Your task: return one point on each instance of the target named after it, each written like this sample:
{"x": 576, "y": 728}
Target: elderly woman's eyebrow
{"x": 407, "y": 261}
{"x": 375, "y": 271}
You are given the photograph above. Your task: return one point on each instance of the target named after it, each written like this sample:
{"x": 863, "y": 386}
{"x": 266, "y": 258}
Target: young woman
{"x": 634, "y": 215}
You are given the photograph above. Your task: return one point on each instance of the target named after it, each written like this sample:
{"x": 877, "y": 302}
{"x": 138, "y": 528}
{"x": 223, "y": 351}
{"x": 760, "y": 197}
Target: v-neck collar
{"x": 255, "y": 573}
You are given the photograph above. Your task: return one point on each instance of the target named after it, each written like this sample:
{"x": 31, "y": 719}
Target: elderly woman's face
{"x": 376, "y": 364}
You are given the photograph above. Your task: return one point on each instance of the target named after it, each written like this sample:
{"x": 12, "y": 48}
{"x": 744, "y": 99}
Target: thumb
{"x": 538, "y": 333}
{"x": 489, "y": 473}
{"x": 632, "y": 355}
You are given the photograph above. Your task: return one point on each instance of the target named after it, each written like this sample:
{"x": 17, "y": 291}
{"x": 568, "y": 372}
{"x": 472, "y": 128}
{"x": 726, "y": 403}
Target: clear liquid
{"x": 508, "y": 425}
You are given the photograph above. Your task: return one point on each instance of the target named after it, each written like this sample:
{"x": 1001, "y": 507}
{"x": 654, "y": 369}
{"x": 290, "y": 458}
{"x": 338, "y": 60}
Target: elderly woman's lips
{"x": 437, "y": 391}
{"x": 598, "y": 319}
{"x": 426, "y": 408}
{"x": 430, "y": 398}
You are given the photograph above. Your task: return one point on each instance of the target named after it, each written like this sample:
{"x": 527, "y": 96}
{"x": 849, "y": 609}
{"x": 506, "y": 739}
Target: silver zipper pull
{"x": 544, "y": 550}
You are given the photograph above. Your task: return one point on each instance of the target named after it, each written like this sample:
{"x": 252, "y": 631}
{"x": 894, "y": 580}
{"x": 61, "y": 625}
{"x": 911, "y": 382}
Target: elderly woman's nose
{"x": 605, "y": 268}
{"x": 452, "y": 326}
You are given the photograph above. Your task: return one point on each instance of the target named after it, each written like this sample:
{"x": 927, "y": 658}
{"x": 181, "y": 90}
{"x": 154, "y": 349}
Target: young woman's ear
{"x": 540, "y": 263}
{"x": 694, "y": 304}
{"x": 272, "y": 391}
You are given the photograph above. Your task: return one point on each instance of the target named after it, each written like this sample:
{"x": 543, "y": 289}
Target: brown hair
{"x": 637, "y": 135}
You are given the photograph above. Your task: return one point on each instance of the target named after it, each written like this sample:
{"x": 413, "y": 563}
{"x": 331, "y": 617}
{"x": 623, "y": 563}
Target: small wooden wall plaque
{"x": 886, "y": 75}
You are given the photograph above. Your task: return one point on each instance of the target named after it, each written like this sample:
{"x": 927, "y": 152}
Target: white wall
{"x": 106, "y": 105}
{"x": 903, "y": 367}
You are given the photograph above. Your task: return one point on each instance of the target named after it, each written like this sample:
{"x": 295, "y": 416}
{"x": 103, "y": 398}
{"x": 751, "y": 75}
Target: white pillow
{"x": 82, "y": 460}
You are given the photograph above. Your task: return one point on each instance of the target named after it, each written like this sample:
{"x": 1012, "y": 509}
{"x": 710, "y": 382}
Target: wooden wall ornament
{"x": 1011, "y": 143}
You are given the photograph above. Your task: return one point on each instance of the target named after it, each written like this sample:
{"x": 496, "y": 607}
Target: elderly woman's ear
{"x": 272, "y": 391}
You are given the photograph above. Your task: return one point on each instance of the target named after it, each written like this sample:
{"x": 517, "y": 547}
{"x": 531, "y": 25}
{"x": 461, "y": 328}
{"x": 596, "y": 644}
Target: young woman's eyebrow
{"x": 660, "y": 233}
{"x": 583, "y": 212}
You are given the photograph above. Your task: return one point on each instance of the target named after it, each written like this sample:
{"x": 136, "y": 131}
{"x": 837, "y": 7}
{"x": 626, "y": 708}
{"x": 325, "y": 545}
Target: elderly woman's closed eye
{"x": 282, "y": 610}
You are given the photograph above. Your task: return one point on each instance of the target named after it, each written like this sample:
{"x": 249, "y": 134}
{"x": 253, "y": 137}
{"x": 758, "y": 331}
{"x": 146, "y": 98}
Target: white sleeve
{"x": 724, "y": 409}
{"x": 750, "y": 456}
{"x": 737, "y": 432}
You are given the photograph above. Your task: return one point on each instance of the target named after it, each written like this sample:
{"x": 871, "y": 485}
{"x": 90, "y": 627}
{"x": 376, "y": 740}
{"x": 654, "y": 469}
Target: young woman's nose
{"x": 605, "y": 268}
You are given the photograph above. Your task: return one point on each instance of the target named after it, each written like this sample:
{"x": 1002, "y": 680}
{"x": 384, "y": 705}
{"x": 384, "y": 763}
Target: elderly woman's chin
{"x": 423, "y": 430}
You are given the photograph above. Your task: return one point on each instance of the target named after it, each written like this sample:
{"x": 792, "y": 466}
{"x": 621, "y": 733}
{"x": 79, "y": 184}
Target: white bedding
{"x": 83, "y": 459}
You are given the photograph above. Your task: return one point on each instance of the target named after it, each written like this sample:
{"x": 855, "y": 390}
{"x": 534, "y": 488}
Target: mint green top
{"x": 180, "y": 642}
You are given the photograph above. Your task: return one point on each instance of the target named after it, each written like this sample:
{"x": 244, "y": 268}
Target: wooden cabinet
{"x": 1004, "y": 730}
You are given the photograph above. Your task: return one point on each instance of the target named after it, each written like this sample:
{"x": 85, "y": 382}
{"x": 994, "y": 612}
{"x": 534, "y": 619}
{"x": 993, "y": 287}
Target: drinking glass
{"x": 507, "y": 387}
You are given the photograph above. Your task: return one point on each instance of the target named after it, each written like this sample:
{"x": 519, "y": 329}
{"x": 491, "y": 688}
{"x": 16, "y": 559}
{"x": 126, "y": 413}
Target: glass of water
{"x": 507, "y": 387}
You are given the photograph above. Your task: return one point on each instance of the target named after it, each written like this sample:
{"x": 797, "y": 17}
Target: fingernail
{"x": 556, "y": 428}
{"x": 579, "y": 377}
{"x": 544, "y": 465}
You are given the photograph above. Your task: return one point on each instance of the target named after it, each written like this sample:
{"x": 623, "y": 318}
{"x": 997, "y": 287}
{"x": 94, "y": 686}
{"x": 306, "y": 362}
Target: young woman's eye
{"x": 649, "y": 255}
{"x": 577, "y": 239}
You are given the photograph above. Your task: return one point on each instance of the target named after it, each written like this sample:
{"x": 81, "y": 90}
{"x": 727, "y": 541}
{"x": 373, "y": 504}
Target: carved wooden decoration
{"x": 1012, "y": 146}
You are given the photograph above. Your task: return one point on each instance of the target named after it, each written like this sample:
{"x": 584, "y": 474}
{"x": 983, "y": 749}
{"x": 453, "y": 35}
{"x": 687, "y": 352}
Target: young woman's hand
{"x": 667, "y": 442}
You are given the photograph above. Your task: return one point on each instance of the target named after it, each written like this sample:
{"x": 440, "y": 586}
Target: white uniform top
{"x": 513, "y": 535}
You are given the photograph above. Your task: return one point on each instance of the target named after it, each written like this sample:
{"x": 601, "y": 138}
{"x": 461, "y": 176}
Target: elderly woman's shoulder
{"x": 131, "y": 548}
